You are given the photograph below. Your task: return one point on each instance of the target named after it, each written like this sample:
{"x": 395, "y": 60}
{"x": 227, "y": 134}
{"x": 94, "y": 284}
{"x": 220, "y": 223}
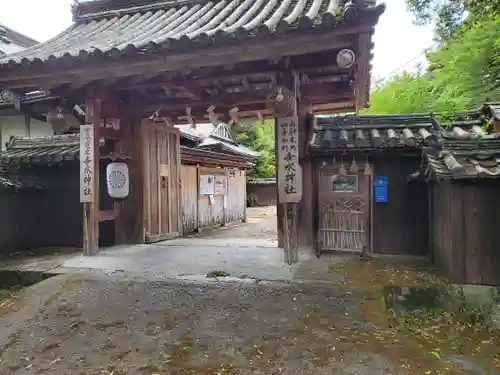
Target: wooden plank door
{"x": 344, "y": 211}
{"x": 162, "y": 193}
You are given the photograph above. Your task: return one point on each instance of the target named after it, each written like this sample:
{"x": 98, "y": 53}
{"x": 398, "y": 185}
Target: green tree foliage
{"x": 409, "y": 93}
{"x": 259, "y": 137}
{"x": 449, "y": 15}
{"x": 463, "y": 73}
{"x": 467, "y": 67}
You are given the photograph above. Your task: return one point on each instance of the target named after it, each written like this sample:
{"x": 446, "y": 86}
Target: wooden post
{"x": 305, "y": 232}
{"x": 315, "y": 207}
{"x": 89, "y": 194}
{"x": 280, "y": 214}
{"x": 199, "y": 229}
{"x": 129, "y": 225}
{"x": 27, "y": 123}
{"x": 372, "y": 211}
{"x": 286, "y": 233}
{"x": 289, "y": 174}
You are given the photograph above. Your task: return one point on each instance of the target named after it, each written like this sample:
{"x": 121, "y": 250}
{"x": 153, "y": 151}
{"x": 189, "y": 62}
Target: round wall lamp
{"x": 346, "y": 58}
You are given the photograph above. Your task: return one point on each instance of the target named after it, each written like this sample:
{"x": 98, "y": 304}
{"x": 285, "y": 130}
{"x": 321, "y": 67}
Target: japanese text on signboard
{"x": 86, "y": 163}
{"x": 289, "y": 171}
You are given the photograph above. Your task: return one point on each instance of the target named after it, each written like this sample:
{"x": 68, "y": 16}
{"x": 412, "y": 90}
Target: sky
{"x": 397, "y": 40}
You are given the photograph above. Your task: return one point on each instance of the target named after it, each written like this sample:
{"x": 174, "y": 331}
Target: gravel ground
{"x": 106, "y": 326}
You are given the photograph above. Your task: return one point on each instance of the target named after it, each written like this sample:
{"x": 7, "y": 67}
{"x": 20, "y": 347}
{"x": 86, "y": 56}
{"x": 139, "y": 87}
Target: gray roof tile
{"x": 368, "y": 132}
{"x": 168, "y": 25}
{"x": 465, "y": 154}
{"x": 65, "y": 147}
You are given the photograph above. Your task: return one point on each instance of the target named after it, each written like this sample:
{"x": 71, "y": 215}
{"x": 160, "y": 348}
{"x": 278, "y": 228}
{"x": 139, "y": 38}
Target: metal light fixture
{"x": 346, "y": 58}
{"x": 368, "y": 168}
{"x": 354, "y": 167}
{"x": 280, "y": 97}
{"x": 7, "y": 96}
{"x": 342, "y": 170}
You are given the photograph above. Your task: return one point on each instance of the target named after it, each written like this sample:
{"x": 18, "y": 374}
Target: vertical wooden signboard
{"x": 89, "y": 175}
{"x": 289, "y": 181}
{"x": 87, "y": 170}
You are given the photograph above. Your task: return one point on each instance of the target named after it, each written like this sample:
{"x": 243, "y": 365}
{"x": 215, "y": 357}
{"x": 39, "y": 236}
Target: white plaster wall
{"x": 15, "y": 126}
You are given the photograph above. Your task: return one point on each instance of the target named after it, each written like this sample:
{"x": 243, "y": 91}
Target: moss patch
{"x": 214, "y": 274}
{"x": 421, "y": 344}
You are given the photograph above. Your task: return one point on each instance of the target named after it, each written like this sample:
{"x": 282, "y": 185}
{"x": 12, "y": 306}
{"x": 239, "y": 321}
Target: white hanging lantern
{"x": 117, "y": 179}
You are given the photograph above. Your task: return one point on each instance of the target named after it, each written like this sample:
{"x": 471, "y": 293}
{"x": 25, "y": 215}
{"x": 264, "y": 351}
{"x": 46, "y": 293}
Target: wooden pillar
{"x": 129, "y": 226}
{"x": 280, "y": 213}
{"x": 289, "y": 174}
{"x": 27, "y": 124}
{"x": 302, "y": 212}
{"x": 91, "y": 206}
{"x": 244, "y": 172}
{"x": 198, "y": 215}
{"x": 306, "y": 233}
{"x": 315, "y": 206}
{"x": 1, "y": 138}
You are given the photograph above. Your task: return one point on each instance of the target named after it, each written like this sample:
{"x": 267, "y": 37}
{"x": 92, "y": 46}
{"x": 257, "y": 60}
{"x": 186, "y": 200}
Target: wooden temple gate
{"x": 198, "y": 62}
{"x": 162, "y": 182}
{"x": 344, "y": 210}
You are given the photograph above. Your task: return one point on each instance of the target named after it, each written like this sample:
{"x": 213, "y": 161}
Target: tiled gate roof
{"x": 465, "y": 154}
{"x": 136, "y": 30}
{"x": 372, "y": 132}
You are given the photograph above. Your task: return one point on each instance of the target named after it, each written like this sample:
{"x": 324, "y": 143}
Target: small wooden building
{"x": 46, "y": 211}
{"x": 19, "y": 216}
{"x": 40, "y": 178}
{"x": 262, "y": 191}
{"x": 463, "y": 175}
{"x": 362, "y": 197}
{"x": 211, "y": 154}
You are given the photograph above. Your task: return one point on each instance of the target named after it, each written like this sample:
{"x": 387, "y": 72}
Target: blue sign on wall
{"x": 381, "y": 189}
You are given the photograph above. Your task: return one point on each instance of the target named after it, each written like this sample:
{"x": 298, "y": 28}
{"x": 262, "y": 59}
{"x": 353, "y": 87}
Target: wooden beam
{"x": 191, "y": 87}
{"x": 107, "y": 215}
{"x": 278, "y": 46}
{"x": 324, "y": 93}
{"x": 240, "y": 71}
{"x": 363, "y": 74}
{"x": 251, "y": 108}
{"x": 200, "y": 77}
{"x": 250, "y": 111}
{"x": 110, "y": 133}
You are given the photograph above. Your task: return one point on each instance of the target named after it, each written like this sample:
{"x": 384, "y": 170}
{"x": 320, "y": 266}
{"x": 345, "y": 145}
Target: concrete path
{"x": 193, "y": 257}
{"x": 248, "y": 250}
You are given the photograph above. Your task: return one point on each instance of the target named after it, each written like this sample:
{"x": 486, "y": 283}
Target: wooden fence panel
{"x": 189, "y": 203}
{"x": 236, "y": 198}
